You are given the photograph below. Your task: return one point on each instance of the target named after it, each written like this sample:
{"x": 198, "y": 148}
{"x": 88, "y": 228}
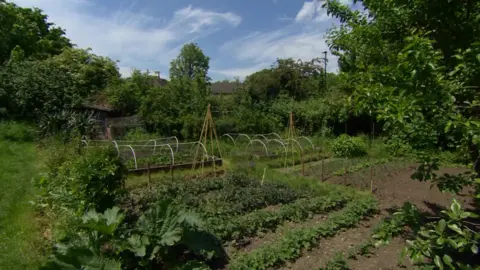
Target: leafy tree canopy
{"x": 25, "y": 32}
{"x": 190, "y": 63}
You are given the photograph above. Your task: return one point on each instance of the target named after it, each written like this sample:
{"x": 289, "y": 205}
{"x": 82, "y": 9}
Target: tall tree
{"x": 178, "y": 108}
{"x": 27, "y": 31}
{"x": 190, "y": 63}
{"x": 31, "y": 88}
{"x": 400, "y": 59}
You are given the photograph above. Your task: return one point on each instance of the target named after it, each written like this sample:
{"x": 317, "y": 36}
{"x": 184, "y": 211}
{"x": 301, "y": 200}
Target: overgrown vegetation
{"x": 346, "y": 146}
{"x": 408, "y": 77}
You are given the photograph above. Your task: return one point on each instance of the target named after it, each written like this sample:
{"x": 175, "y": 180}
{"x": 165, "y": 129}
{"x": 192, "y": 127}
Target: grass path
{"x": 19, "y": 233}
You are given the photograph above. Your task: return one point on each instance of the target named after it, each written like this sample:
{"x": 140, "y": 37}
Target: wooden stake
{"x": 323, "y": 163}
{"x": 263, "y": 177}
{"x": 371, "y": 179}
{"x": 346, "y": 172}
{"x": 149, "y": 173}
{"x": 211, "y": 139}
{"x": 208, "y": 132}
{"x": 291, "y": 135}
{"x": 303, "y": 164}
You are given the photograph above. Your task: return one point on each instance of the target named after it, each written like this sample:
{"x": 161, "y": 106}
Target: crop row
{"x": 290, "y": 246}
{"x": 170, "y": 190}
{"x": 228, "y": 196}
{"x": 360, "y": 166}
{"x": 293, "y": 159}
{"x": 264, "y": 219}
{"x": 382, "y": 234}
{"x": 230, "y": 201}
{"x": 159, "y": 159}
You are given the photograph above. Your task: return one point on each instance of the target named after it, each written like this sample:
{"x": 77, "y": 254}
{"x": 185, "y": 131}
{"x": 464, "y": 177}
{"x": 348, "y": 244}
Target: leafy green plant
{"x": 398, "y": 147}
{"x": 289, "y": 247}
{"x": 90, "y": 180}
{"x": 230, "y": 201}
{"x": 392, "y": 226}
{"x": 165, "y": 236}
{"x": 346, "y": 146}
{"x": 262, "y": 220}
{"x": 67, "y": 123}
{"x": 338, "y": 262}
{"x": 166, "y": 231}
{"x": 449, "y": 243}
{"x": 92, "y": 246}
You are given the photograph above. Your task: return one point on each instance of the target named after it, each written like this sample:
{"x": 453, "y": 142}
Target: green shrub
{"x": 17, "y": 132}
{"x": 399, "y": 148}
{"x": 165, "y": 237}
{"x": 346, "y": 146}
{"x": 90, "y": 180}
{"x": 139, "y": 134}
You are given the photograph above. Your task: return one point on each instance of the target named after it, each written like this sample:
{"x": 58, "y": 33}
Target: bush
{"x": 17, "y": 132}
{"x": 399, "y": 148}
{"x": 346, "y": 146}
{"x": 139, "y": 134}
{"x": 90, "y": 180}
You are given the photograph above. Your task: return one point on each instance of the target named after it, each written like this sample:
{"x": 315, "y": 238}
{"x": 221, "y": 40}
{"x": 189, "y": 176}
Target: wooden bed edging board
{"x": 208, "y": 163}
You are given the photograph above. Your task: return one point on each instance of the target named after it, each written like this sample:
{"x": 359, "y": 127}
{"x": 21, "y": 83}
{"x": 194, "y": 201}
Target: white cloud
{"x": 306, "y": 12}
{"x": 259, "y": 48}
{"x": 134, "y": 38}
{"x": 241, "y": 72}
{"x": 312, "y": 11}
{"x": 304, "y": 41}
{"x": 197, "y": 18}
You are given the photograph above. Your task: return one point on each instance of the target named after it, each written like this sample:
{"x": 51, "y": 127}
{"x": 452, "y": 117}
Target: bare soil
{"x": 328, "y": 247}
{"x": 392, "y": 189}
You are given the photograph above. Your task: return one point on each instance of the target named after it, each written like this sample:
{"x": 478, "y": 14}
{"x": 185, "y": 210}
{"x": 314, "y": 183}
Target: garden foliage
{"x": 84, "y": 181}
{"x": 346, "y": 146}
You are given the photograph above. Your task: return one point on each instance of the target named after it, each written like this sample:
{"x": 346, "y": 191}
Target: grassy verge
{"x": 19, "y": 233}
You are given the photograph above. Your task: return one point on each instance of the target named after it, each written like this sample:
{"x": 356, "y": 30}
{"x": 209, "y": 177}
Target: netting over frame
{"x": 270, "y": 144}
{"x": 156, "y": 152}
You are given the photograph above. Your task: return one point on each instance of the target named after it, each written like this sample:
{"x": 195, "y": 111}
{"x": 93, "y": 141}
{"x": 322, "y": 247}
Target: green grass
{"x": 19, "y": 231}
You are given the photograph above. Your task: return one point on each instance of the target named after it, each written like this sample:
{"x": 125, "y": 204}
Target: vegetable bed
{"x": 237, "y": 210}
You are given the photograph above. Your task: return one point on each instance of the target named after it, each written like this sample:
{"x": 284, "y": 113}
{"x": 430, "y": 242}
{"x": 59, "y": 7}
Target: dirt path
{"x": 328, "y": 247}
{"x": 267, "y": 238}
{"x": 396, "y": 190}
{"x": 392, "y": 191}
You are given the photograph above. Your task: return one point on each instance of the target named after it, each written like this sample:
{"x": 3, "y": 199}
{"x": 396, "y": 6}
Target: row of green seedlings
{"x": 231, "y": 213}
{"x": 360, "y": 166}
{"x": 264, "y": 220}
{"x": 387, "y": 229}
{"x": 290, "y": 246}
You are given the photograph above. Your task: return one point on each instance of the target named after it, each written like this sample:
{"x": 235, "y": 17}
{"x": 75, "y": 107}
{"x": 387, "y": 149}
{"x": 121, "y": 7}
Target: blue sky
{"x": 239, "y": 36}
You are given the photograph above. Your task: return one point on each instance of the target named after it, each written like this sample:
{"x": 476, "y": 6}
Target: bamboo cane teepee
{"x": 209, "y": 138}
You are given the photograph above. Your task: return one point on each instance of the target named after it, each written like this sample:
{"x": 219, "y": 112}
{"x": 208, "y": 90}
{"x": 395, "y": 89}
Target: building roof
{"x": 98, "y": 102}
{"x": 224, "y": 87}
{"x": 157, "y": 81}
